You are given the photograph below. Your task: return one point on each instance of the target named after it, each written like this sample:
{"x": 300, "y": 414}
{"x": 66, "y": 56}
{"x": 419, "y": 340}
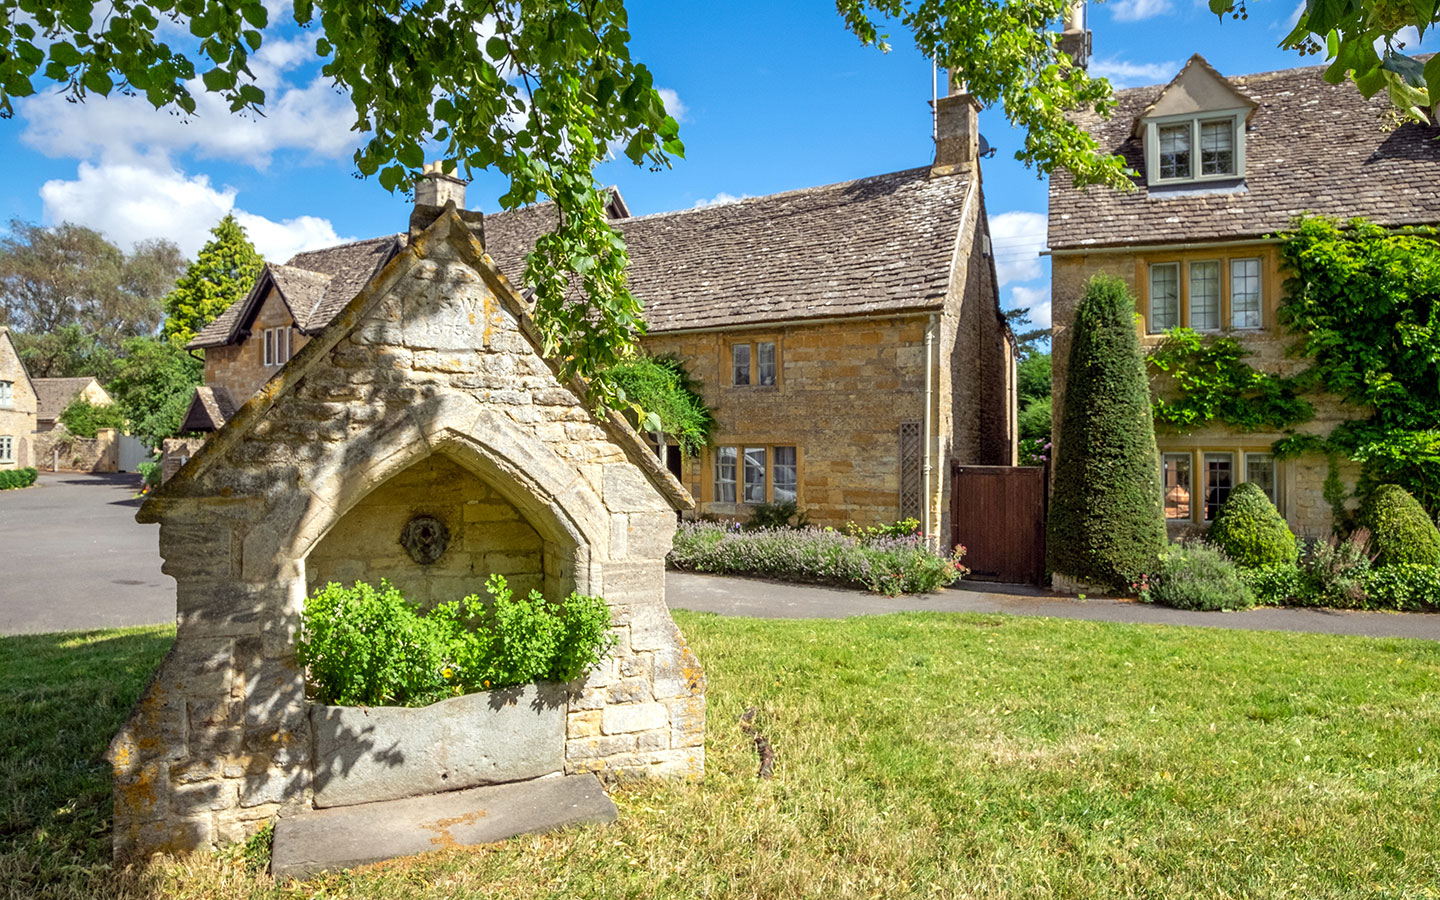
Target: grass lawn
{"x": 917, "y": 756}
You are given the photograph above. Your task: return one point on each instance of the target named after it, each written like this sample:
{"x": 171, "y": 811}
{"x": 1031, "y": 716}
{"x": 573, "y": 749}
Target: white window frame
{"x": 727, "y": 463}
{"x": 7, "y": 448}
{"x": 7, "y": 395}
{"x": 1152, "y": 145}
{"x": 1165, "y": 460}
{"x": 1150, "y": 291}
{"x": 1259, "y": 292}
{"x": 1219, "y": 293}
{"x": 267, "y": 338}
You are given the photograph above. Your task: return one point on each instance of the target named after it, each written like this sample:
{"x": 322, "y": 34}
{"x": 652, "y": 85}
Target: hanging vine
{"x": 1215, "y": 384}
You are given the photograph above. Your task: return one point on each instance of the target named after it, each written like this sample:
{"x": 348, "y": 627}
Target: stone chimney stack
{"x": 957, "y": 129}
{"x": 1075, "y": 39}
{"x": 433, "y": 190}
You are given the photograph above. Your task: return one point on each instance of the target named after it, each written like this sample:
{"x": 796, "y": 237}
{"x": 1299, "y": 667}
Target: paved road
{"x": 72, "y": 556}
{"x": 748, "y": 597}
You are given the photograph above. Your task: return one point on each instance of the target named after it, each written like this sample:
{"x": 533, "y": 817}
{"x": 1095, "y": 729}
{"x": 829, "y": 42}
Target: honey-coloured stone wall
{"x": 240, "y": 367}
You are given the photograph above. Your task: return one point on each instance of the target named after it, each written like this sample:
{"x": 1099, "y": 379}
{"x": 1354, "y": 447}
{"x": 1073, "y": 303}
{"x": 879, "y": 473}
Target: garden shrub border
{"x": 18, "y": 478}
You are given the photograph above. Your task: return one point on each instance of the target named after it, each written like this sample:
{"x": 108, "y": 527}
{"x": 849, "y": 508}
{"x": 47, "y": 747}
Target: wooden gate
{"x": 998, "y": 514}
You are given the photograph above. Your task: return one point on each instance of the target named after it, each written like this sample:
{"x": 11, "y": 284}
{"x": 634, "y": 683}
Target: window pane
{"x": 7, "y": 393}
{"x": 7, "y": 448}
{"x": 1174, "y": 151}
{"x": 740, "y": 355}
{"x": 1219, "y": 479}
{"x": 1260, "y": 469}
{"x": 1217, "y": 147}
{"x": 1177, "y": 486}
{"x": 784, "y": 479}
{"x": 1205, "y": 296}
{"x": 1164, "y": 296}
{"x": 725, "y": 474}
{"x": 1245, "y": 293}
{"x": 269, "y": 347}
{"x": 754, "y": 474}
{"x": 765, "y": 362}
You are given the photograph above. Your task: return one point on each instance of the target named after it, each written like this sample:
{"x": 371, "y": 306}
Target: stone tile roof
{"x": 210, "y": 408}
{"x": 314, "y": 286}
{"x": 874, "y": 245}
{"x": 1312, "y": 147}
{"x": 52, "y": 395}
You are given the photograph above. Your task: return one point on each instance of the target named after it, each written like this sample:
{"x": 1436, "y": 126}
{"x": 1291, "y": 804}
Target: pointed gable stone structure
{"x": 426, "y": 395}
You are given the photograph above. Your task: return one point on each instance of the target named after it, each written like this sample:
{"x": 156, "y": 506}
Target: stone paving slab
{"x": 342, "y": 837}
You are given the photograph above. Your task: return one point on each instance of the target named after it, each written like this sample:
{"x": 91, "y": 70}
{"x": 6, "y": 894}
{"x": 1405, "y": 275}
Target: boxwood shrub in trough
{"x": 368, "y": 646}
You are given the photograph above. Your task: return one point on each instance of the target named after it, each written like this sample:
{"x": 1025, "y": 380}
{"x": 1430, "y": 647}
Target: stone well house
{"x": 426, "y": 397}
{"x": 848, "y": 337}
{"x": 17, "y": 408}
{"x": 1224, "y": 165}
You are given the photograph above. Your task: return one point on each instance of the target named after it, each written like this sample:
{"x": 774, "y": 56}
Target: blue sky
{"x": 770, "y": 96}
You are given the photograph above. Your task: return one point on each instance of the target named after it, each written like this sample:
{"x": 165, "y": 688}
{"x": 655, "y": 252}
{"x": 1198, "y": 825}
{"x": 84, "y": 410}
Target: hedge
{"x": 17, "y": 478}
{"x": 1400, "y": 530}
{"x": 1251, "y": 530}
{"x": 1107, "y": 521}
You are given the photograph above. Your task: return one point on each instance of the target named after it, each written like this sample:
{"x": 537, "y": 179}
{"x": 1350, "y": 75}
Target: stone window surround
{"x": 270, "y": 341}
{"x": 7, "y": 395}
{"x": 7, "y": 448}
{"x": 1241, "y": 458}
{"x": 711, "y": 485}
{"x": 1153, "y": 126}
{"x": 753, "y": 366}
{"x": 1183, "y": 267}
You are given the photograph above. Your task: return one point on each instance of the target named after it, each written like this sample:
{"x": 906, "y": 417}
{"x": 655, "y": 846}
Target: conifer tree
{"x": 1107, "y": 521}
{"x": 222, "y": 273}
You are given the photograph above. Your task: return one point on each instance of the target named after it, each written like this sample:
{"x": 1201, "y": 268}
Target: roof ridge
{"x": 394, "y": 235}
{"x": 813, "y": 189}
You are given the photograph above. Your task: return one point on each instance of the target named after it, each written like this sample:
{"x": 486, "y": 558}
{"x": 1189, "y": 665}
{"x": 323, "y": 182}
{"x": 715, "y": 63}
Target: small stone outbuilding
{"x": 427, "y": 394}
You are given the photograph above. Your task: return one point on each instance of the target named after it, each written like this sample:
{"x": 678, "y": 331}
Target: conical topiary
{"x": 1107, "y": 522}
{"x": 1400, "y": 531}
{"x": 1251, "y": 530}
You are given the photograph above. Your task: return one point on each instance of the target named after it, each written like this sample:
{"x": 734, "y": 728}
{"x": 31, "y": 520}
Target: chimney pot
{"x": 1075, "y": 39}
{"x": 957, "y": 132}
{"x": 435, "y": 188}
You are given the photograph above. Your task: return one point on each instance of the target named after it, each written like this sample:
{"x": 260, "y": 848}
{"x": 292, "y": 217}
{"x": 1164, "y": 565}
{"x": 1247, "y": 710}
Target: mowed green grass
{"x": 917, "y": 756}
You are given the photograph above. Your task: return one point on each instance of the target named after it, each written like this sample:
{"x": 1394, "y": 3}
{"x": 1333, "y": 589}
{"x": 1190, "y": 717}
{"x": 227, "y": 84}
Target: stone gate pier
{"x": 427, "y": 399}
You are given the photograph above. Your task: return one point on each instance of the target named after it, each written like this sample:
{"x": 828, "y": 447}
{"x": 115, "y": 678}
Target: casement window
{"x": 7, "y": 394}
{"x": 754, "y": 364}
{"x": 1177, "y": 486}
{"x": 7, "y": 448}
{"x": 725, "y": 465}
{"x": 784, "y": 478}
{"x": 1195, "y": 148}
{"x": 740, "y": 364}
{"x": 1164, "y": 297}
{"x": 1260, "y": 470}
{"x": 756, "y": 474}
{"x": 1245, "y": 293}
{"x": 1205, "y": 296}
{"x": 278, "y": 346}
{"x": 1219, "y": 481}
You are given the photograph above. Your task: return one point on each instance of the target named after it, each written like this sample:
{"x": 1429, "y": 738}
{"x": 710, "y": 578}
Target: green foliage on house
{"x": 665, "y": 393}
{"x": 1400, "y": 530}
{"x": 1251, "y": 530}
{"x": 1107, "y": 522}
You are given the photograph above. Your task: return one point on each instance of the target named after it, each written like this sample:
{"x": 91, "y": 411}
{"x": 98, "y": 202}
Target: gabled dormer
{"x": 1194, "y": 131}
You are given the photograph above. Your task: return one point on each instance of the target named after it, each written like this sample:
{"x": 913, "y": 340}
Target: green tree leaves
{"x": 222, "y": 273}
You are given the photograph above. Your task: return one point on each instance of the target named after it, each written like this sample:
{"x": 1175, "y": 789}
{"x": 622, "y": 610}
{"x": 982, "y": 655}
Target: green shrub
{"x": 1400, "y": 530}
{"x": 1333, "y": 572}
{"x": 1034, "y": 420}
{"x": 1107, "y": 522}
{"x": 780, "y": 514}
{"x": 1275, "y": 585}
{"x": 1251, "y": 531}
{"x": 1198, "y": 576}
{"x": 83, "y": 419}
{"x": 1408, "y": 587}
{"x": 17, "y": 478}
{"x": 364, "y": 646}
{"x": 883, "y": 564}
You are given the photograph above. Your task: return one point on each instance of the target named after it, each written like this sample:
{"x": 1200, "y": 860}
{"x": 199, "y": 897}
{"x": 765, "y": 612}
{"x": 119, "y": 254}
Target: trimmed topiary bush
{"x": 1107, "y": 521}
{"x": 1251, "y": 531}
{"x": 1198, "y": 576}
{"x": 1400, "y": 530}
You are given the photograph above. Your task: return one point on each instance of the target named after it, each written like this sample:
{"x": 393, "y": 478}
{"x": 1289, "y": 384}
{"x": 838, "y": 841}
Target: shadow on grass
{"x": 62, "y": 697}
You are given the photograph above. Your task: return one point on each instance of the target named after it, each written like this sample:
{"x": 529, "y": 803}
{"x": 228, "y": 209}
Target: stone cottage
{"x": 57, "y": 393}
{"x": 848, "y": 337}
{"x": 1223, "y": 165}
{"x": 425, "y": 396}
{"x": 17, "y": 407}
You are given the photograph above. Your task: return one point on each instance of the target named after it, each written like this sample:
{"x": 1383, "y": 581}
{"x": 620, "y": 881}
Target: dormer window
{"x": 1171, "y": 144}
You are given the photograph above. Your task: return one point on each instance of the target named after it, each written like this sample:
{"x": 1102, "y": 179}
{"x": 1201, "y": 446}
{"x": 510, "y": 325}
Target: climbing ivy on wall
{"x": 1214, "y": 383}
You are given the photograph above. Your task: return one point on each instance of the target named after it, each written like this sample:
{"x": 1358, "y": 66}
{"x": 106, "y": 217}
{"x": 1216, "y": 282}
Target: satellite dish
{"x": 986, "y": 151}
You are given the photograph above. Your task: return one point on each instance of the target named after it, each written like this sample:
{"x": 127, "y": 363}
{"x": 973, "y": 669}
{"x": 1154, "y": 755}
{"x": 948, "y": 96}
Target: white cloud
{"x": 1035, "y": 299}
{"x": 1138, "y": 10}
{"x": 721, "y": 199}
{"x": 129, "y": 202}
{"x": 1016, "y": 238}
{"x": 674, "y": 105}
{"x": 1123, "y": 74}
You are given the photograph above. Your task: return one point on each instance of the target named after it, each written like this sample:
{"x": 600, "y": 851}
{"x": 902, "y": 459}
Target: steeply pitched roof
{"x": 313, "y": 285}
{"x": 883, "y": 244}
{"x": 54, "y": 394}
{"x": 1312, "y": 147}
{"x": 210, "y": 408}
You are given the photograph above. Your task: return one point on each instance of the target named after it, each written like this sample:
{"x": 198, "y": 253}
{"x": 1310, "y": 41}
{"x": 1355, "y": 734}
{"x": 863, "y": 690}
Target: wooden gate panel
{"x": 998, "y": 514}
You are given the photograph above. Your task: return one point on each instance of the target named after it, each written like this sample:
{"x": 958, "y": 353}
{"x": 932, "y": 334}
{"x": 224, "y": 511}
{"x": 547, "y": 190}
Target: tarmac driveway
{"x": 72, "y": 556}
